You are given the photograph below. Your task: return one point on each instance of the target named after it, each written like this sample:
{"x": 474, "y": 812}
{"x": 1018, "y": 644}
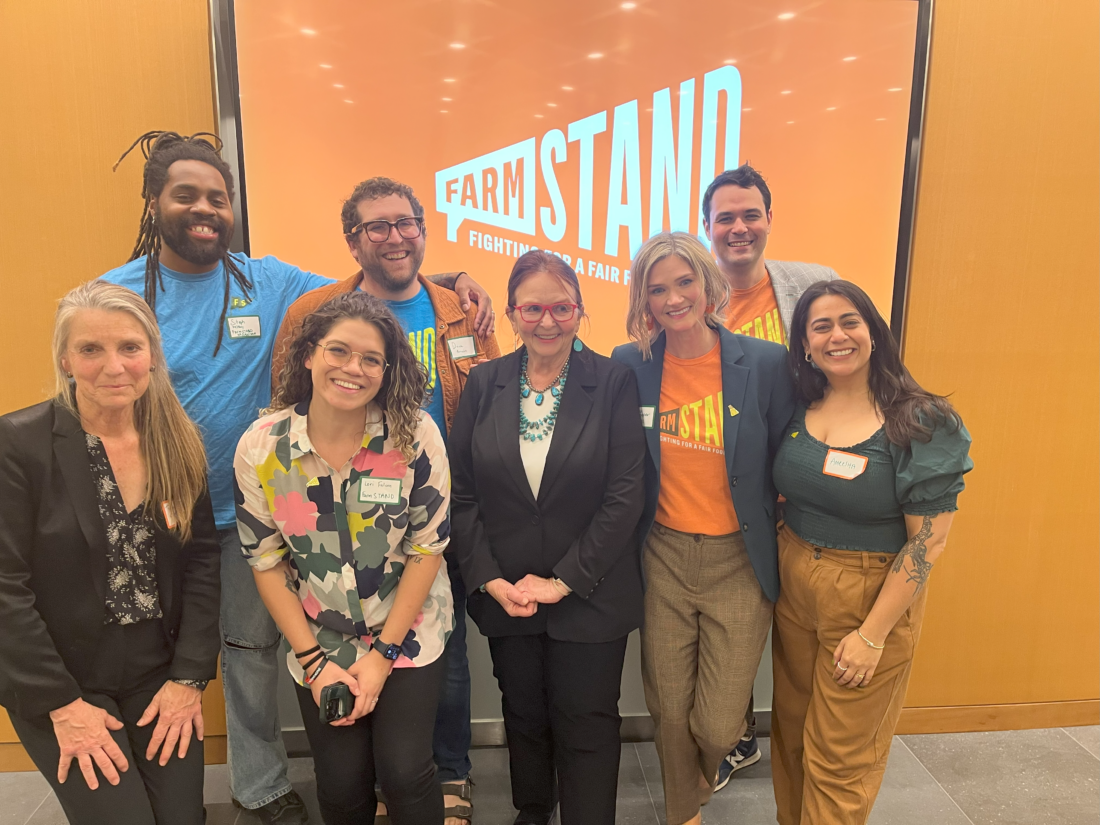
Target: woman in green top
{"x": 871, "y": 467}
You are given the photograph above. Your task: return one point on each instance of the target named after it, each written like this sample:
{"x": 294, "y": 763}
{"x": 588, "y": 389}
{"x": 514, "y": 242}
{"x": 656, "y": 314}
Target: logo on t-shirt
{"x": 696, "y": 425}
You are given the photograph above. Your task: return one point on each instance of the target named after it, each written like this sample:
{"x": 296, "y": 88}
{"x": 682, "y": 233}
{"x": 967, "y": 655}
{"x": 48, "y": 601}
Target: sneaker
{"x": 746, "y": 753}
{"x": 288, "y": 809}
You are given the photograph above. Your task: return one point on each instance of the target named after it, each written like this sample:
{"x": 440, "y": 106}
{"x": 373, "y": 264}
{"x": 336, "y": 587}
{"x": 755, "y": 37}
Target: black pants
{"x": 561, "y": 712}
{"x": 392, "y": 746}
{"x": 131, "y": 666}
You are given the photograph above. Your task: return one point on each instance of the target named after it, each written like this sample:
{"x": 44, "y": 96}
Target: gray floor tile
{"x": 215, "y": 785}
{"x": 22, "y": 793}
{"x": 493, "y": 792}
{"x": 1014, "y": 777}
{"x": 221, "y": 813}
{"x": 49, "y": 813}
{"x": 910, "y": 795}
{"x": 1087, "y": 737}
{"x": 747, "y": 799}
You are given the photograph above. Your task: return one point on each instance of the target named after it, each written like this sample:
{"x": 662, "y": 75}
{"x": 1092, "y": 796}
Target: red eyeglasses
{"x": 534, "y": 313}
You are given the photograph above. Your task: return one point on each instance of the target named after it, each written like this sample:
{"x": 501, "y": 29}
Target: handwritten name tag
{"x": 244, "y": 326}
{"x": 647, "y": 416}
{"x": 379, "y": 490}
{"x": 840, "y": 464}
{"x": 463, "y": 347}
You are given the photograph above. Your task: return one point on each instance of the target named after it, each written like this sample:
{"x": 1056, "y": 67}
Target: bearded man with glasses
{"x": 384, "y": 229}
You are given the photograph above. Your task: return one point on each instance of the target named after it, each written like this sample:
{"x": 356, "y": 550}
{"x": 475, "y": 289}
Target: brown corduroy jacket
{"x": 451, "y": 322}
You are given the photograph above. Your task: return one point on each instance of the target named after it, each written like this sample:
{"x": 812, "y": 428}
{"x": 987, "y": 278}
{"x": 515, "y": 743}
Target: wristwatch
{"x": 390, "y": 652}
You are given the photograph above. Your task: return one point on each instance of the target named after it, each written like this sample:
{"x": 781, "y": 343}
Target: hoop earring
{"x": 809, "y": 360}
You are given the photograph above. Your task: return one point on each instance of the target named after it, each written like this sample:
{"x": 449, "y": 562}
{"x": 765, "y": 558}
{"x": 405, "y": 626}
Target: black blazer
{"x": 583, "y": 526}
{"x": 53, "y": 568}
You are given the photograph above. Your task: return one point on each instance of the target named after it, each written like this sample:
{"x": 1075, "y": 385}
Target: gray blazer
{"x": 790, "y": 279}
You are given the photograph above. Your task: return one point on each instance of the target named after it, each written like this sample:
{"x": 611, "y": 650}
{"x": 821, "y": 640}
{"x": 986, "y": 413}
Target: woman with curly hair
{"x": 342, "y": 498}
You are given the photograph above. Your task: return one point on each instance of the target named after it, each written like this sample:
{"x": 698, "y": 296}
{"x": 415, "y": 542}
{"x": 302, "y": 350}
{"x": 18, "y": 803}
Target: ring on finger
{"x": 858, "y": 676}
{"x": 838, "y": 667}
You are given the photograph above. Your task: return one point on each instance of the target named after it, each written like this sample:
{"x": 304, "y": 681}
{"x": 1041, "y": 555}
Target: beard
{"x": 375, "y": 269}
{"x": 175, "y": 235}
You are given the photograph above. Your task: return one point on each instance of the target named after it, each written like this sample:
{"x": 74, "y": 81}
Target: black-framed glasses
{"x": 337, "y": 355}
{"x": 379, "y": 231}
{"x": 534, "y": 313}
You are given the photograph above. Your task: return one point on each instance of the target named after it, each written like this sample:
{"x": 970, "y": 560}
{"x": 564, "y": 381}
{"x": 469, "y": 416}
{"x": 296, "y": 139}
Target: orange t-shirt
{"x": 753, "y": 311}
{"x": 695, "y": 489}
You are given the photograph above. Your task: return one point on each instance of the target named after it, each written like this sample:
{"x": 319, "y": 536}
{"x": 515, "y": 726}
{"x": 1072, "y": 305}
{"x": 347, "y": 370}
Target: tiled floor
{"x": 1035, "y": 777}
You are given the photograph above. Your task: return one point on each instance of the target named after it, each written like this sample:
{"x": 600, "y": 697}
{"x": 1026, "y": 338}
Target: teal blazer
{"x": 757, "y": 385}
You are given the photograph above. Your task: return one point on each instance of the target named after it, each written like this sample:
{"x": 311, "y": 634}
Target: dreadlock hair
{"x": 404, "y": 382}
{"x": 161, "y": 150}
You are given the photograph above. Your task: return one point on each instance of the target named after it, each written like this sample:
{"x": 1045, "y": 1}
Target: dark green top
{"x": 867, "y": 512}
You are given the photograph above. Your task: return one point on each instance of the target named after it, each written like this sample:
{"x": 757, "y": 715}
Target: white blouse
{"x": 534, "y": 452}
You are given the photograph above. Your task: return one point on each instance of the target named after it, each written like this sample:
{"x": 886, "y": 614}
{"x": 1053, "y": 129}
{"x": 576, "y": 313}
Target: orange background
{"x": 835, "y": 175}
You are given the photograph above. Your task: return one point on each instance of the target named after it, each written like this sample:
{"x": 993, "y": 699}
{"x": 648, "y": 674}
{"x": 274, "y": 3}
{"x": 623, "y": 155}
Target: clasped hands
{"x": 523, "y": 598}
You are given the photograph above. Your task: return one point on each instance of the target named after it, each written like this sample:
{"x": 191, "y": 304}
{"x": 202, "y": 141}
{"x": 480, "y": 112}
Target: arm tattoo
{"x": 917, "y": 549}
{"x": 289, "y": 582}
{"x": 416, "y": 559}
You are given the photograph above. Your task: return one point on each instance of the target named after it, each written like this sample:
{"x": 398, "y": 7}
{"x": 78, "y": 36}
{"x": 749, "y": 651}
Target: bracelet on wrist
{"x": 869, "y": 642}
{"x": 306, "y": 653}
{"x": 311, "y": 678}
{"x": 307, "y": 665}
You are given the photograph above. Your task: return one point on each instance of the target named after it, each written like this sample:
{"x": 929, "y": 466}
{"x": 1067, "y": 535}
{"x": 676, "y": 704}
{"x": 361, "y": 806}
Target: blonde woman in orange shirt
{"x": 714, "y": 406}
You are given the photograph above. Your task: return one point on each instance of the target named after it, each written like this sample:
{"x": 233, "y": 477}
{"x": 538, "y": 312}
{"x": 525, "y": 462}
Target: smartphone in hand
{"x": 336, "y": 702}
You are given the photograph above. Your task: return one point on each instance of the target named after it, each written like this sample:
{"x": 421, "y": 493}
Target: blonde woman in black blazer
{"x": 109, "y": 573}
{"x": 545, "y": 507}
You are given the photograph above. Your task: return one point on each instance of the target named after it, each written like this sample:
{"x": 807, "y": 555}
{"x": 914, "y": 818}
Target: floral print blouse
{"x": 347, "y": 532}
{"x": 132, "y": 595}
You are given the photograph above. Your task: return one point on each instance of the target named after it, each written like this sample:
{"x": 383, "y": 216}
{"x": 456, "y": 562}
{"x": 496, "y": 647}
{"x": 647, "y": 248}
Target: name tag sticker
{"x": 463, "y": 347}
{"x": 647, "y": 416}
{"x": 840, "y": 464}
{"x": 379, "y": 490}
{"x": 244, "y": 326}
{"x": 169, "y": 516}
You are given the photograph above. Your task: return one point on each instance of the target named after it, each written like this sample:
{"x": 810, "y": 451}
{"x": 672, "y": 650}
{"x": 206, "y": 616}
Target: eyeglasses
{"x": 534, "y": 313}
{"x": 379, "y": 231}
{"x": 337, "y": 355}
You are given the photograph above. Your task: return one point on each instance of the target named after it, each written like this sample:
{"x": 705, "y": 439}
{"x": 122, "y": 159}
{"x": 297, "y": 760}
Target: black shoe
{"x": 288, "y": 809}
{"x": 536, "y": 819}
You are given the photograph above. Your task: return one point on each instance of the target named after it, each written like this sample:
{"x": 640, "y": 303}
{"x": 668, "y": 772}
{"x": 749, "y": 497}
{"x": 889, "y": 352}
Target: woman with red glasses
{"x": 547, "y": 454}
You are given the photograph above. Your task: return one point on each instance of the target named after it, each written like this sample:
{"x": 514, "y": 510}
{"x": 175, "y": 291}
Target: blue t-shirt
{"x": 417, "y": 317}
{"x": 222, "y": 394}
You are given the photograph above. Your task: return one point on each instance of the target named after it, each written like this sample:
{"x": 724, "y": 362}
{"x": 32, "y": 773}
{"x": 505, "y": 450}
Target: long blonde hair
{"x": 691, "y": 251}
{"x": 170, "y": 442}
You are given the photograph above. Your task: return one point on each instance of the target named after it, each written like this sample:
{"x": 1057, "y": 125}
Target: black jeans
{"x": 392, "y": 746}
{"x": 561, "y": 712}
{"x": 131, "y": 666}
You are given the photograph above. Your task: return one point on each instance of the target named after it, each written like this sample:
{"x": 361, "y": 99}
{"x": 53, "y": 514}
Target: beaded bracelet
{"x": 869, "y": 642}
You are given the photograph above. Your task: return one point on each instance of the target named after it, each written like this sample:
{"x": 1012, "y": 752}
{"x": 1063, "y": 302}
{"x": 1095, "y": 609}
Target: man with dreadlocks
{"x": 219, "y": 313}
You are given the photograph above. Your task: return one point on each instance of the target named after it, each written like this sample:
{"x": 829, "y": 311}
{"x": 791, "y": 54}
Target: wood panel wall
{"x": 1002, "y": 308}
{"x": 1002, "y": 313}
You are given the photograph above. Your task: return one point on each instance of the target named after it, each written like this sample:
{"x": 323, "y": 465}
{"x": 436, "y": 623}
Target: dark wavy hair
{"x": 744, "y": 176}
{"x": 910, "y": 412}
{"x": 404, "y": 382}
{"x": 373, "y": 189}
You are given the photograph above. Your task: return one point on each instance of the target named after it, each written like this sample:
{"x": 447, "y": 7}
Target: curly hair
{"x": 373, "y": 189}
{"x": 909, "y": 411}
{"x": 404, "y": 383}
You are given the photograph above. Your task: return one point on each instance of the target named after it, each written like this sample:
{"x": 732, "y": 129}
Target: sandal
{"x": 465, "y": 791}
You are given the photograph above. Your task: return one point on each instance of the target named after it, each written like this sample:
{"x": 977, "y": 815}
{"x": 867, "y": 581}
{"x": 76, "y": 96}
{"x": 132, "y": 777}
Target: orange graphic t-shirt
{"x": 695, "y": 490}
{"x": 753, "y": 311}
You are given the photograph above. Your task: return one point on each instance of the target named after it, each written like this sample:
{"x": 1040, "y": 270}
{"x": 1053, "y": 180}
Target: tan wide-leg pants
{"x": 706, "y": 622}
{"x": 829, "y": 743}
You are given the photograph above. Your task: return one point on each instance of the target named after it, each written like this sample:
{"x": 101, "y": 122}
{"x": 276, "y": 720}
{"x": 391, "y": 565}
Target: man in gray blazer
{"x": 737, "y": 210}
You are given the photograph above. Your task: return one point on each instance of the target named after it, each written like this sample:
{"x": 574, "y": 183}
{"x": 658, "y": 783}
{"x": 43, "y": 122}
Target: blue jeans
{"x": 250, "y": 677}
{"x": 451, "y": 741}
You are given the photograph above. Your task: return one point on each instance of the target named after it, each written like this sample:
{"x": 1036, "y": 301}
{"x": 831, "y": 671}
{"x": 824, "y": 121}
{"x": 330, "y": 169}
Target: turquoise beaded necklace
{"x": 541, "y": 427}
